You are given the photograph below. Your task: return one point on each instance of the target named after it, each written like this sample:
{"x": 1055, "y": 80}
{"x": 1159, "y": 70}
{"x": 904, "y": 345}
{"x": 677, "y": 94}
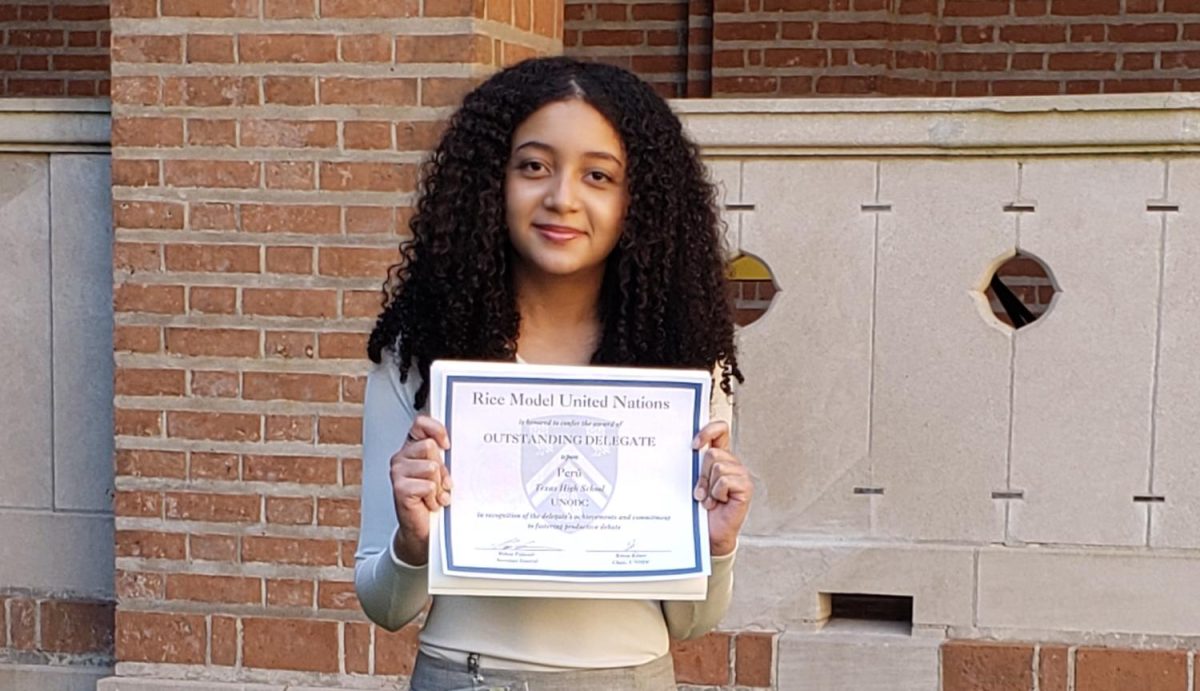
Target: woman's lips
{"x": 557, "y": 233}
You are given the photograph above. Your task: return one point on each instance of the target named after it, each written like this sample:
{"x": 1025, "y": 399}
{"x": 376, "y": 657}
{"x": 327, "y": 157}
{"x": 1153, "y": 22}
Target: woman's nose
{"x": 562, "y": 195}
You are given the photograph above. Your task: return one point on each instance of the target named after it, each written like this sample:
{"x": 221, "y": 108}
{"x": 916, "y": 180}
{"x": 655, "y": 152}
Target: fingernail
{"x": 444, "y": 498}
{"x": 698, "y": 494}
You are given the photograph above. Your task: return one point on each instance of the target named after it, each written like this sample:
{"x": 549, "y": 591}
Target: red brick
{"x": 369, "y": 8}
{"x": 37, "y": 38}
{"x": 284, "y": 550}
{"x": 754, "y": 659}
{"x": 23, "y": 620}
{"x": 133, "y": 585}
{"x": 213, "y": 508}
{"x": 1052, "y": 668}
{"x": 211, "y": 173}
{"x": 212, "y": 342}
{"x": 77, "y": 627}
{"x": 445, "y": 91}
{"x": 290, "y": 510}
{"x": 80, "y": 63}
{"x": 703, "y": 661}
{"x": 148, "y": 463}
{"x": 212, "y": 300}
{"x": 146, "y": 214}
{"x": 336, "y": 595}
{"x": 981, "y": 666}
{"x": 212, "y": 216}
{"x": 137, "y": 423}
{"x": 846, "y": 85}
{"x": 150, "y": 545}
{"x": 133, "y": 8}
{"x": 139, "y": 91}
{"x": 290, "y": 428}
{"x": 1181, "y": 6}
{"x": 211, "y": 258}
{"x": 289, "y": 9}
{"x": 291, "y": 91}
{"x": 135, "y": 173}
{"x": 130, "y": 381}
{"x": 361, "y": 303}
{"x": 352, "y": 472}
{"x": 395, "y": 651}
{"x": 1099, "y": 669}
{"x": 213, "y": 466}
{"x": 209, "y": 8}
{"x": 210, "y": 91}
{"x": 795, "y": 57}
{"x": 367, "y": 135}
{"x": 1084, "y": 7}
{"x": 337, "y": 512}
{"x": 1088, "y": 33}
{"x": 149, "y": 131}
{"x": 1024, "y": 88}
{"x": 289, "y": 133}
{"x": 271, "y": 218}
{"x": 290, "y": 344}
{"x": 312, "y": 645}
{"x": 348, "y": 346}
{"x": 223, "y": 640}
{"x": 289, "y": 303}
{"x": 418, "y": 136}
{"x": 285, "y": 592}
{"x": 215, "y": 384}
{"x": 213, "y": 548}
{"x": 155, "y": 299}
{"x": 1188, "y": 59}
{"x": 209, "y": 48}
{"x": 290, "y": 175}
{"x": 975, "y": 8}
{"x": 160, "y": 637}
{"x": 1141, "y": 6}
{"x": 1028, "y": 61}
{"x": 225, "y": 589}
{"x": 1082, "y": 61}
{"x": 1034, "y": 33}
{"x": 271, "y": 386}
{"x": 974, "y": 62}
{"x": 357, "y": 644}
{"x": 365, "y": 48}
{"x": 184, "y": 424}
{"x": 339, "y": 430}
{"x": 305, "y": 470}
{"x": 368, "y": 176}
{"x": 287, "y": 48}
{"x": 142, "y": 49}
{"x": 1134, "y": 33}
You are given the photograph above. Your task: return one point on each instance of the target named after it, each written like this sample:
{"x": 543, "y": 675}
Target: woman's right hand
{"x": 420, "y": 485}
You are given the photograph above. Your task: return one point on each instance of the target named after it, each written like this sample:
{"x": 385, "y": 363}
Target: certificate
{"x": 570, "y": 481}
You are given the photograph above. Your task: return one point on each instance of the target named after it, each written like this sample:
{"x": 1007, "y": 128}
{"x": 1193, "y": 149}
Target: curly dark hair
{"x": 663, "y": 298}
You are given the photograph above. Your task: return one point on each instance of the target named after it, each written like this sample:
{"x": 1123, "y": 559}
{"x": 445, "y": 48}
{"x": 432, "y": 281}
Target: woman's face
{"x": 565, "y": 191}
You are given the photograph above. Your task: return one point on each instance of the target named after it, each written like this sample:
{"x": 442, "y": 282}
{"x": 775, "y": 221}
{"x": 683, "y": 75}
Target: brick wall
{"x": 54, "y": 48}
{"x": 47, "y": 629}
{"x": 264, "y": 162}
{"x": 974, "y": 665}
{"x": 897, "y": 47}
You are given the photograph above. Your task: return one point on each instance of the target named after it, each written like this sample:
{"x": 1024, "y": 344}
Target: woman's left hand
{"x": 724, "y": 488}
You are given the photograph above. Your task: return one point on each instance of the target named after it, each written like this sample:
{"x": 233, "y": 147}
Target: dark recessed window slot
{"x": 859, "y": 606}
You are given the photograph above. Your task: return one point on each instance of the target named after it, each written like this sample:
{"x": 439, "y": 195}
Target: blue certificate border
{"x": 696, "y": 389}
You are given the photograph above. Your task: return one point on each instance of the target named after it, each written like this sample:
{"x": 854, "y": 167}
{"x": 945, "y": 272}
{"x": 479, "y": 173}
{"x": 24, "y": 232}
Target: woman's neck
{"x": 560, "y": 322}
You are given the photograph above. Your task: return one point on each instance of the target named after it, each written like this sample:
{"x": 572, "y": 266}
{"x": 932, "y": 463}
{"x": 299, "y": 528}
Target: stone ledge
{"x": 1025, "y": 125}
{"x": 54, "y": 124}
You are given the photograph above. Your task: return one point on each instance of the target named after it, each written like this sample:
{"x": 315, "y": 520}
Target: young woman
{"x": 563, "y": 219}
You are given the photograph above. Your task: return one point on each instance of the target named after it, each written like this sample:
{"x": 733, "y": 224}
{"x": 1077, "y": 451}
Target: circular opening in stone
{"x": 1021, "y": 290}
{"x": 752, "y": 288}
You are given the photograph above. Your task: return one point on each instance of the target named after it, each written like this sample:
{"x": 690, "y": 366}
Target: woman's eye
{"x": 532, "y": 166}
{"x": 599, "y": 176}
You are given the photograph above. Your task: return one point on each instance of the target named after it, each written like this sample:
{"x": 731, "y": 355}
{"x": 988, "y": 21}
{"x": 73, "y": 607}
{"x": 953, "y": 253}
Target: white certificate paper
{"x": 570, "y": 481}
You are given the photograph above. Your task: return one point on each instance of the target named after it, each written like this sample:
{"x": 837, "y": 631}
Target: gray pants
{"x": 432, "y": 674}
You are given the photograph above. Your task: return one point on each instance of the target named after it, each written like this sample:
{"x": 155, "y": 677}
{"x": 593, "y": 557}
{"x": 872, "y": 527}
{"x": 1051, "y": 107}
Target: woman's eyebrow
{"x": 534, "y": 144}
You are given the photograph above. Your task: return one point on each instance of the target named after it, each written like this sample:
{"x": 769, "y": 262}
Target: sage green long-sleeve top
{"x": 507, "y": 632}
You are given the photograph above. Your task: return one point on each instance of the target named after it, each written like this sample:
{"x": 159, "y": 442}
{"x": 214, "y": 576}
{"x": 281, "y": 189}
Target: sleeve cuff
{"x": 400, "y": 563}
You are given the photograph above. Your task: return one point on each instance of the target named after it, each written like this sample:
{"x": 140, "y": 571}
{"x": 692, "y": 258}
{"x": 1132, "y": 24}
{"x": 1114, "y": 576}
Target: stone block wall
{"x": 56, "y": 524}
{"x": 54, "y": 48}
